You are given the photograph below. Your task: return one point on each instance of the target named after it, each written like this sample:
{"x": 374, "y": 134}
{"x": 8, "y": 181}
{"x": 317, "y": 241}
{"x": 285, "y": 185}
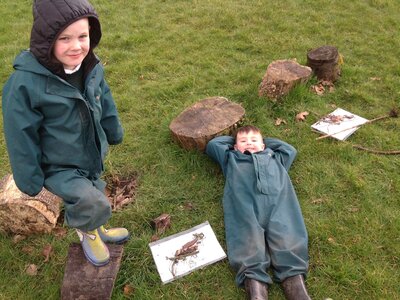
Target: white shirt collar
{"x": 67, "y": 71}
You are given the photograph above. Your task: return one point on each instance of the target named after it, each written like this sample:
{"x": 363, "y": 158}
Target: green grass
{"x": 163, "y": 56}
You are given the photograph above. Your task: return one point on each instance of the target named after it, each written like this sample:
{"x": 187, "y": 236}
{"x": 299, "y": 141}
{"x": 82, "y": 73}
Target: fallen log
{"x": 82, "y": 280}
{"x": 23, "y": 214}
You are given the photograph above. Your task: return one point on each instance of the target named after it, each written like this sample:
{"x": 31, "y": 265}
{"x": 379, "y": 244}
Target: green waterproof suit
{"x": 263, "y": 221}
{"x": 57, "y": 136}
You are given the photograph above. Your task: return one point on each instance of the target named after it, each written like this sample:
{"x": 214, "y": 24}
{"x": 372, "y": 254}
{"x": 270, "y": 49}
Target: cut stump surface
{"x": 204, "y": 120}
{"x": 23, "y": 214}
{"x": 84, "y": 281}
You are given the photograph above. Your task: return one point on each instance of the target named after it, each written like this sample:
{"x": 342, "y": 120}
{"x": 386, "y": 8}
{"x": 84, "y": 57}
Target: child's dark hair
{"x": 247, "y": 129}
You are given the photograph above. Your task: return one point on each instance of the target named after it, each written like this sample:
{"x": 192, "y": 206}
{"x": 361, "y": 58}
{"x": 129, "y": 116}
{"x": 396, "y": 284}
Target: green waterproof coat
{"x": 39, "y": 107}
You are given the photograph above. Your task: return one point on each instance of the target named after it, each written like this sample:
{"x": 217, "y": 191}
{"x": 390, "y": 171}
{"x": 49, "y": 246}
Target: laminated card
{"x": 340, "y": 124}
{"x": 184, "y": 252}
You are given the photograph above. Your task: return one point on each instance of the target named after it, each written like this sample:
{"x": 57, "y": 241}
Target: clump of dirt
{"x": 121, "y": 190}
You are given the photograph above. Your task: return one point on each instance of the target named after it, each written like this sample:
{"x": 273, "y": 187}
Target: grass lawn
{"x": 161, "y": 57}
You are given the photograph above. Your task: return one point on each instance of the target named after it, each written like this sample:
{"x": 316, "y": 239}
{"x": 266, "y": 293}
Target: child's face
{"x": 251, "y": 141}
{"x": 73, "y": 44}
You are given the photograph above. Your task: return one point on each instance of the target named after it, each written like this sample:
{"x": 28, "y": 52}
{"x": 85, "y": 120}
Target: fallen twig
{"x": 385, "y": 152}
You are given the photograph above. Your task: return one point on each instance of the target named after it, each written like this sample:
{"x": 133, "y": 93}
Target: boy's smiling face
{"x": 249, "y": 141}
{"x": 73, "y": 44}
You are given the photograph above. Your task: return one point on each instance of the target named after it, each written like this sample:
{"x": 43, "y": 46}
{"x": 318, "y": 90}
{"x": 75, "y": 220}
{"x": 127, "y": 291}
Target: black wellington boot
{"x": 295, "y": 288}
{"x": 256, "y": 290}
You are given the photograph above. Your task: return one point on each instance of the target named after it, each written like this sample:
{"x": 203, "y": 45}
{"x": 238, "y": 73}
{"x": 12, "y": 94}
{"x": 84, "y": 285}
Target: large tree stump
{"x": 324, "y": 61}
{"x": 204, "y": 120}
{"x": 23, "y": 214}
{"x": 281, "y": 76}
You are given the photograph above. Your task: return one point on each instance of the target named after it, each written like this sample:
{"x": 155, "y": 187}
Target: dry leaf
{"x": 353, "y": 209}
{"x": 375, "y": 78}
{"x": 28, "y": 250}
{"x": 17, "y": 238}
{"x": 31, "y": 270}
{"x": 280, "y": 121}
{"x": 154, "y": 238}
{"x": 60, "y": 232}
{"x": 326, "y": 83}
{"x": 107, "y": 192}
{"x": 122, "y": 203}
{"x": 301, "y": 116}
{"x": 318, "y": 201}
{"x": 161, "y": 223}
{"x": 188, "y": 206}
{"x": 128, "y": 290}
{"x": 46, "y": 252}
{"x": 121, "y": 192}
{"x": 318, "y": 89}
{"x": 331, "y": 240}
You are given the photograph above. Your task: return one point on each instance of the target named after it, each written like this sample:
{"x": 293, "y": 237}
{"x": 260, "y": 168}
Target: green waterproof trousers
{"x": 265, "y": 234}
{"x": 86, "y": 206}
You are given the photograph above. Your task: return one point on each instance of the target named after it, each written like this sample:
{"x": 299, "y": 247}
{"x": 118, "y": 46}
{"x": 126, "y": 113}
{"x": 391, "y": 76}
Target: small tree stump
{"x": 281, "y": 76}
{"x": 204, "y": 120}
{"x": 23, "y": 214}
{"x": 324, "y": 61}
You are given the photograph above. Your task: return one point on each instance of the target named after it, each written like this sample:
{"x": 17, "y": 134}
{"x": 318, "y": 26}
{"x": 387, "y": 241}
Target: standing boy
{"x": 59, "y": 118}
{"x": 263, "y": 221}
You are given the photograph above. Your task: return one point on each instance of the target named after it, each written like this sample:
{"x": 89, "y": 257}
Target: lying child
{"x": 263, "y": 221}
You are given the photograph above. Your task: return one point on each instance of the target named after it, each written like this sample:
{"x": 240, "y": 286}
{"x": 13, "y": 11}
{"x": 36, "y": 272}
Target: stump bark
{"x": 204, "y": 120}
{"x": 280, "y": 78}
{"x": 23, "y": 214}
{"x": 324, "y": 61}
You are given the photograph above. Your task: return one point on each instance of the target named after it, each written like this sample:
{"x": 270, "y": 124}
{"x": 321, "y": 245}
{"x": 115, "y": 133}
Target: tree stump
{"x": 204, "y": 120}
{"x": 281, "y": 76}
{"x": 23, "y": 214}
{"x": 324, "y": 61}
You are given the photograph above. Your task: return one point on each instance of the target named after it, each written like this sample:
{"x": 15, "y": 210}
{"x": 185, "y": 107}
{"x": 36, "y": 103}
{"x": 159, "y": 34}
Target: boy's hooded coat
{"x": 50, "y": 125}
